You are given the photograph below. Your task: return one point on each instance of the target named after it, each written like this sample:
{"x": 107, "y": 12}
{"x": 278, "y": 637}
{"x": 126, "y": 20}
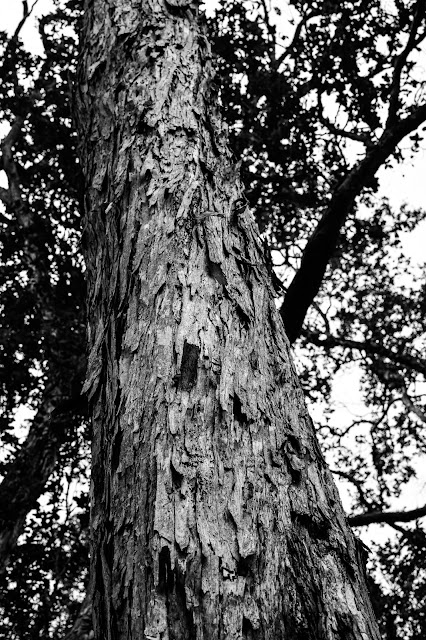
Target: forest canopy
{"x": 318, "y": 98}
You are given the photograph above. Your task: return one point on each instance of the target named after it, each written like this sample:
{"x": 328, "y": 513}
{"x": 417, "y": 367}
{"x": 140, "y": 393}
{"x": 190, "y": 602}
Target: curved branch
{"x": 388, "y": 517}
{"x": 412, "y": 43}
{"x": 364, "y": 138}
{"x": 296, "y": 36}
{"x": 322, "y": 243}
{"x": 358, "y": 484}
{"x": 26, "y": 12}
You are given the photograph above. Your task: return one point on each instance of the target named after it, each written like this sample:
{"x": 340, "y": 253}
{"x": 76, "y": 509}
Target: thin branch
{"x": 407, "y": 360}
{"x": 351, "y": 135}
{"x": 26, "y": 14}
{"x": 411, "y": 406}
{"x": 322, "y": 315}
{"x": 388, "y": 517}
{"x": 359, "y": 485}
{"x": 271, "y": 33}
{"x": 12, "y": 42}
{"x": 304, "y": 21}
{"x": 412, "y": 43}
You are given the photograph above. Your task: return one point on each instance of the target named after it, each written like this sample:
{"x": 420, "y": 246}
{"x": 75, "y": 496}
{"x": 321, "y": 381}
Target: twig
{"x": 402, "y": 59}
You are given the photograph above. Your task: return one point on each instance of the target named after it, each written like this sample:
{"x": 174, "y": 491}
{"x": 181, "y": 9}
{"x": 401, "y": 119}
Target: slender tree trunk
{"x": 26, "y": 476}
{"x": 213, "y": 512}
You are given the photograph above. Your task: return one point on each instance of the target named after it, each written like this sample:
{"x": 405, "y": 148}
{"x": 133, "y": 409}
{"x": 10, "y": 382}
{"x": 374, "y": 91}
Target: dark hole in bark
{"x": 143, "y": 127}
{"x": 237, "y": 409}
{"x": 176, "y": 477}
{"x": 254, "y": 359}
{"x": 216, "y": 272}
{"x": 295, "y": 474}
{"x": 244, "y": 318}
{"x": 181, "y": 624}
{"x": 120, "y": 87}
{"x": 189, "y": 366}
{"x": 206, "y": 168}
{"x": 247, "y": 629}
{"x": 248, "y": 491}
{"x": 109, "y": 547}
{"x": 349, "y": 567}
{"x": 99, "y": 581}
{"x": 128, "y": 40}
{"x": 116, "y": 450}
{"x": 294, "y": 443}
{"x": 244, "y": 565}
{"x": 165, "y": 573}
{"x": 315, "y": 527}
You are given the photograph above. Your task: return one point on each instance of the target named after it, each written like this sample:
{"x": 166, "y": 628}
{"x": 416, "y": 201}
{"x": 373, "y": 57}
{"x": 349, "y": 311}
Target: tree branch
{"x": 304, "y": 21}
{"x": 27, "y": 474}
{"x": 407, "y": 360}
{"x": 322, "y": 243}
{"x": 351, "y": 135}
{"x": 388, "y": 517}
{"x": 26, "y": 12}
{"x": 412, "y": 42}
{"x": 411, "y": 406}
{"x": 358, "y": 484}
{"x": 11, "y": 45}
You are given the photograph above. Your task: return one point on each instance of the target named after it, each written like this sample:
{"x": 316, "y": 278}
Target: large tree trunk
{"x": 213, "y": 512}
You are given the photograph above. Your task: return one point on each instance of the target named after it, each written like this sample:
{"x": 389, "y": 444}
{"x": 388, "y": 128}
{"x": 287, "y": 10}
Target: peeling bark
{"x": 213, "y": 512}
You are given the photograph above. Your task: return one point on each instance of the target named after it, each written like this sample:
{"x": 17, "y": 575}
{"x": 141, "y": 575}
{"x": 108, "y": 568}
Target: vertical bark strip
{"x": 213, "y": 513}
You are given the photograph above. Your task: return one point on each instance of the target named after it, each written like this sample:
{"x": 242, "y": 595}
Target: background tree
{"x": 303, "y": 113}
{"x": 42, "y": 332}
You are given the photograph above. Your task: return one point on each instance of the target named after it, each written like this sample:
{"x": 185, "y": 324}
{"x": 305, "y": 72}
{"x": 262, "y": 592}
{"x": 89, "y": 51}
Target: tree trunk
{"x": 213, "y": 512}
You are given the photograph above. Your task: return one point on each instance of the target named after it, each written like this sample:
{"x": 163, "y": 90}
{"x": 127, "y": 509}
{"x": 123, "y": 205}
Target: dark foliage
{"x": 42, "y": 336}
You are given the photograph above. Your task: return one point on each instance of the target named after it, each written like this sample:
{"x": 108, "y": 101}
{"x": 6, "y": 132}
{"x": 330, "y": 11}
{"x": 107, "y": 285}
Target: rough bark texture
{"x": 213, "y": 512}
